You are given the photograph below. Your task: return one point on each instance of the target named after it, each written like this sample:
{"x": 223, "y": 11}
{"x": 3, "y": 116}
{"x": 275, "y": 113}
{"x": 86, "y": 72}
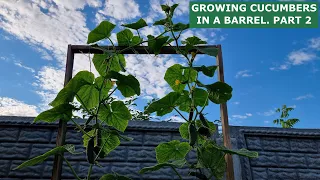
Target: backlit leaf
{"x": 137, "y": 25}
{"x": 103, "y": 30}
{"x": 200, "y": 97}
{"x": 116, "y": 115}
{"x": 67, "y": 94}
{"x": 206, "y": 70}
{"x": 88, "y": 96}
{"x": 177, "y": 74}
{"x": 173, "y": 150}
{"x": 127, "y": 85}
{"x": 219, "y": 92}
{"x": 156, "y": 44}
{"x": 62, "y": 111}
{"x": 124, "y": 37}
{"x": 164, "y": 105}
{"x": 39, "y": 159}
{"x": 115, "y": 62}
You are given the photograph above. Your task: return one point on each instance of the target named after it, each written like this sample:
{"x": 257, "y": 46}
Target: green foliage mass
{"x": 107, "y": 117}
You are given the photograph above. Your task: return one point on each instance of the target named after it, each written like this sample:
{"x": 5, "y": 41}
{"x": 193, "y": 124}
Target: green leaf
{"x": 219, "y": 92}
{"x": 107, "y": 85}
{"x": 240, "y": 152}
{"x": 109, "y": 140}
{"x": 124, "y": 37}
{"x": 39, "y": 159}
{"x": 114, "y": 177}
{"x": 103, "y": 30}
{"x": 180, "y": 27}
{"x": 156, "y": 44}
{"x": 101, "y": 61}
{"x": 161, "y": 22}
{"x": 117, "y": 115}
{"x": 127, "y": 85}
{"x": 165, "y": 8}
{"x": 200, "y": 97}
{"x": 184, "y": 102}
{"x": 211, "y": 51}
{"x": 183, "y": 129}
{"x": 173, "y": 150}
{"x": 174, "y": 164}
{"x": 212, "y": 159}
{"x": 191, "y": 74}
{"x": 164, "y": 105}
{"x": 177, "y": 74}
{"x": 193, "y": 41}
{"x": 174, "y": 77}
{"x": 135, "y": 40}
{"x": 137, "y": 25}
{"x": 67, "y": 94}
{"x": 172, "y": 8}
{"x": 206, "y": 70}
{"x": 62, "y": 111}
{"x": 88, "y": 96}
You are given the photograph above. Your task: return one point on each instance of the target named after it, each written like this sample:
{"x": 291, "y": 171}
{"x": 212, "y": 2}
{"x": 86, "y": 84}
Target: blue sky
{"x": 266, "y": 67}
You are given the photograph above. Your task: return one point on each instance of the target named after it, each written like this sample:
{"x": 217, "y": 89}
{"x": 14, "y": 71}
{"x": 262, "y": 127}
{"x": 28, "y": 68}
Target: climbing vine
{"x": 107, "y": 118}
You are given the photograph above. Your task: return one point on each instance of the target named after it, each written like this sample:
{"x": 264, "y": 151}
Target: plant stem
{"x": 80, "y": 128}
{"x": 89, "y": 172}
{"x": 83, "y": 103}
{"x": 71, "y": 168}
{"x": 111, "y": 43}
{"x": 180, "y": 113}
{"x": 174, "y": 169}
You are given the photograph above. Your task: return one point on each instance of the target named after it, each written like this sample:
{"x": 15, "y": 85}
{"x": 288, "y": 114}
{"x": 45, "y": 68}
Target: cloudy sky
{"x": 266, "y": 67}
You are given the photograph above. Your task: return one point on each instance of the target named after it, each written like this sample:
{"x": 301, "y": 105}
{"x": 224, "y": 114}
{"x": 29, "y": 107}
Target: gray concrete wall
{"x": 283, "y": 154}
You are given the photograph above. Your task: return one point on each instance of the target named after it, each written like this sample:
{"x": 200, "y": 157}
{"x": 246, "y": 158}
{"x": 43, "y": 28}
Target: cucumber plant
{"x": 107, "y": 118}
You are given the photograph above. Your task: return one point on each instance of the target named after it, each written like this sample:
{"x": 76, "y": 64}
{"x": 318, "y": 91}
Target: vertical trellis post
{"x": 61, "y": 136}
{"x": 224, "y": 119}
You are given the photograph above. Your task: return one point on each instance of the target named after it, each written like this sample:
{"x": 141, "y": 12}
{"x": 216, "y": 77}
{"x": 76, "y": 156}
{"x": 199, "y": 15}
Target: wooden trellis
{"x": 86, "y": 49}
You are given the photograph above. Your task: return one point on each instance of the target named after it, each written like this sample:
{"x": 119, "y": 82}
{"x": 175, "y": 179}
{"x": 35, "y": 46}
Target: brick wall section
{"x": 20, "y": 141}
{"x": 284, "y": 154}
{"x": 292, "y": 154}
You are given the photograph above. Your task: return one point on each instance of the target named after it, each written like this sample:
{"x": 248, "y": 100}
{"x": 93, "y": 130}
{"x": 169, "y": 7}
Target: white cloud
{"x": 150, "y": 70}
{"x": 266, "y": 122}
{"x": 249, "y": 114}
{"x": 237, "y": 116}
{"x": 307, "y": 96}
{"x": 281, "y": 67}
{"x": 24, "y": 67}
{"x": 244, "y": 73}
{"x": 13, "y": 107}
{"x": 301, "y": 57}
{"x": 293, "y": 106}
{"x": 49, "y": 34}
{"x": 315, "y": 43}
{"x": 267, "y": 113}
{"x": 175, "y": 119}
{"x": 236, "y": 102}
{"x": 120, "y": 9}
